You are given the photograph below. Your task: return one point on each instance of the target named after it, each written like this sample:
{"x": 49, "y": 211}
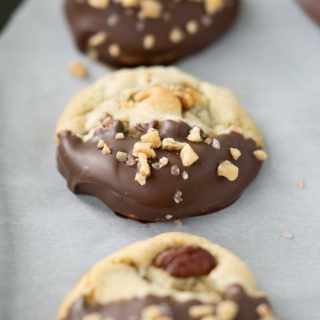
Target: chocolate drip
{"x": 122, "y": 310}
{"x": 89, "y": 171}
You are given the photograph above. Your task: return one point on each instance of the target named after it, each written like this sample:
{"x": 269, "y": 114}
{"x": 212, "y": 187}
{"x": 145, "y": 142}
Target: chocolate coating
{"x": 186, "y": 261}
{"x": 128, "y": 31}
{"x": 122, "y": 310}
{"x": 312, "y": 7}
{"x": 89, "y": 171}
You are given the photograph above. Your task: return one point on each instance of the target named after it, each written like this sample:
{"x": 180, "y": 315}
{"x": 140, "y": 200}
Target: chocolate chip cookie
{"x": 147, "y": 32}
{"x": 173, "y": 276}
{"x": 157, "y": 144}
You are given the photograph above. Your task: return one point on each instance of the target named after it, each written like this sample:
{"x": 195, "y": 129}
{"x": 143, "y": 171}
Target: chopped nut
{"x": 175, "y": 171}
{"x": 122, "y": 156}
{"x": 97, "y": 39}
{"x": 260, "y": 154}
{"x": 199, "y": 311}
{"x": 152, "y": 137}
{"x": 129, "y": 3}
{"x": 176, "y": 35}
{"x": 98, "y": 4}
{"x": 150, "y": 9}
{"x": 114, "y": 50}
{"x": 192, "y": 26}
{"x": 78, "y": 69}
{"x": 185, "y": 175}
{"x": 100, "y": 144}
{"x": 142, "y": 147}
{"x": 188, "y": 97}
{"x": 213, "y": 6}
{"x": 127, "y": 104}
{"x": 299, "y": 183}
{"x": 236, "y": 129}
{"x": 106, "y": 149}
{"x": 171, "y": 144}
{"x": 140, "y": 179}
{"x": 148, "y": 41}
{"x": 287, "y": 235}
{"x": 177, "y": 197}
{"x": 227, "y": 310}
{"x": 235, "y": 153}
{"x": 216, "y": 144}
{"x": 119, "y": 136}
{"x": 188, "y": 156}
{"x": 194, "y": 135}
{"x": 143, "y": 165}
{"x": 131, "y": 161}
{"x": 228, "y": 170}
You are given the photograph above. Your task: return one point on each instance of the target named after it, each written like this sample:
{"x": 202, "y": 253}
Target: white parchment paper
{"x": 49, "y": 237}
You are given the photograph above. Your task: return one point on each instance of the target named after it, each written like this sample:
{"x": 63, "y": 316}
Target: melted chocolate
{"x": 86, "y": 21}
{"x": 89, "y": 171}
{"x": 124, "y": 309}
{"x": 312, "y": 7}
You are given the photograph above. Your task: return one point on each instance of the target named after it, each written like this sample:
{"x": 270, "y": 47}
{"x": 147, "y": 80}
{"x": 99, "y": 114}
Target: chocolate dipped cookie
{"x": 173, "y": 276}
{"x": 147, "y": 32}
{"x": 157, "y": 144}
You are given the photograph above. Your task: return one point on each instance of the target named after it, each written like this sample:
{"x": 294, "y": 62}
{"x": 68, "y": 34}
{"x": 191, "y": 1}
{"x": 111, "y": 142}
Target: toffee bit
{"x": 287, "y": 235}
{"x": 235, "y": 153}
{"x": 140, "y": 179}
{"x": 260, "y": 154}
{"x": 175, "y": 170}
{"x": 106, "y": 149}
{"x": 185, "y": 175}
{"x": 188, "y": 156}
{"x": 78, "y": 69}
{"x": 236, "y": 129}
{"x": 100, "y": 144}
{"x": 178, "y": 197}
{"x": 178, "y": 222}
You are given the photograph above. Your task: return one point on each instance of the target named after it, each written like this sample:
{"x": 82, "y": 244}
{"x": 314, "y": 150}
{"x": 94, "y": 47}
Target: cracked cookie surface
{"x": 156, "y": 144}
{"x": 172, "y": 276}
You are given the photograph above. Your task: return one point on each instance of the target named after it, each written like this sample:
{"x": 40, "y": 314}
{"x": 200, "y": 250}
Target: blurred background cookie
{"x": 147, "y": 32}
{"x": 312, "y": 7}
{"x": 158, "y": 144}
{"x": 173, "y": 276}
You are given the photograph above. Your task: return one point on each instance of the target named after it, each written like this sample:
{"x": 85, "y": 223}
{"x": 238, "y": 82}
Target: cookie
{"x": 147, "y": 32}
{"x": 312, "y": 7}
{"x": 158, "y": 144}
{"x": 172, "y": 276}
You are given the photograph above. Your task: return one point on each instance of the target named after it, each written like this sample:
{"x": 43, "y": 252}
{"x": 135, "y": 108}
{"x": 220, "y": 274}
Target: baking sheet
{"x": 49, "y": 237}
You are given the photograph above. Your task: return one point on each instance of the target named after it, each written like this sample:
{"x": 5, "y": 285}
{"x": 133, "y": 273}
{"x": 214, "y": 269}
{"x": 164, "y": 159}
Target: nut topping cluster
{"x": 144, "y": 152}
